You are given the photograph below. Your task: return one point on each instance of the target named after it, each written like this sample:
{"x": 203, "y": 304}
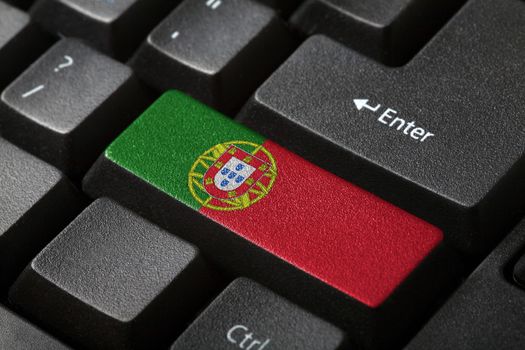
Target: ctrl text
{"x": 241, "y": 337}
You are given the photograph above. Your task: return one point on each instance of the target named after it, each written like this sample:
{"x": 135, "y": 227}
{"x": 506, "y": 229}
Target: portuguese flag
{"x": 306, "y": 216}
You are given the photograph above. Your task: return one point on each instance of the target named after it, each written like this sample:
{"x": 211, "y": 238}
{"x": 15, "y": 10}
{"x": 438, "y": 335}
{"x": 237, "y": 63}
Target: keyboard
{"x": 262, "y": 174}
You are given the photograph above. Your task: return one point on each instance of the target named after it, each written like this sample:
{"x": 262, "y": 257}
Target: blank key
{"x": 36, "y": 202}
{"x": 390, "y": 31}
{"x": 114, "y": 26}
{"x": 18, "y": 334}
{"x": 112, "y": 280}
{"x": 20, "y": 42}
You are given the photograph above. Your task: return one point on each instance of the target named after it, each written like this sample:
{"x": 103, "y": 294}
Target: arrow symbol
{"x": 361, "y": 103}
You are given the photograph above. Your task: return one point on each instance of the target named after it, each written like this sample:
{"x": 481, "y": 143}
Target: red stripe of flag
{"x": 333, "y": 230}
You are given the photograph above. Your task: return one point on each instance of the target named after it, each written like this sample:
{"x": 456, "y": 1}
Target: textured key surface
{"x": 23, "y": 4}
{"x": 454, "y": 153}
{"x": 103, "y": 11}
{"x": 69, "y": 105}
{"x": 217, "y": 51}
{"x": 487, "y": 311}
{"x": 114, "y": 26}
{"x": 11, "y": 23}
{"x": 248, "y": 316}
{"x": 390, "y": 31}
{"x": 335, "y": 241}
{"x": 20, "y": 43}
{"x": 283, "y": 6}
{"x": 113, "y": 279}
{"x": 35, "y": 202}
{"x": 17, "y": 334}
{"x": 24, "y": 181}
{"x": 519, "y": 271}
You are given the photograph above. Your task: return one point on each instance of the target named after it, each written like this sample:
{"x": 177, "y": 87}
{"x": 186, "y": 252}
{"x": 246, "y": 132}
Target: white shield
{"x": 233, "y": 174}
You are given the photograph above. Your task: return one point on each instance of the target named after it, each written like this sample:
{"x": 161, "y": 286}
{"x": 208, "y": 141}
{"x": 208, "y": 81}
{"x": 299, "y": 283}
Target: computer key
{"x": 388, "y": 31}
{"x": 23, "y": 4}
{"x": 112, "y": 280}
{"x": 217, "y": 51}
{"x": 519, "y": 271}
{"x": 115, "y": 27}
{"x": 36, "y": 202}
{"x": 248, "y": 316}
{"x": 18, "y": 334}
{"x": 69, "y": 105}
{"x": 284, "y": 7}
{"x": 20, "y": 43}
{"x": 258, "y": 210}
{"x": 439, "y": 137}
{"x": 486, "y": 312}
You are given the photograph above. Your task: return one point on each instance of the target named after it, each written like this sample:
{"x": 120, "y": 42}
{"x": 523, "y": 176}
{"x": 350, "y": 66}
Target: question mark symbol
{"x": 68, "y": 63}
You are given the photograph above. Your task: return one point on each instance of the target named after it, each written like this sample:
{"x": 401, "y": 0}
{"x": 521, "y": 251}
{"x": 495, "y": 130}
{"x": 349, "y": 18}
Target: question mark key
{"x": 68, "y": 61}
{"x": 69, "y": 105}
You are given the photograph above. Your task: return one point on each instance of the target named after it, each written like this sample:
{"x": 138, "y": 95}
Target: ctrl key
{"x": 112, "y": 280}
{"x": 249, "y": 316}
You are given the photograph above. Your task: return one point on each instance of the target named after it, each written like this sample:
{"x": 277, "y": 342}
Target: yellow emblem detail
{"x": 205, "y": 174}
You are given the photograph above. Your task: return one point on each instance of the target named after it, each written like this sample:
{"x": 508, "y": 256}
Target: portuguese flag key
{"x": 255, "y": 209}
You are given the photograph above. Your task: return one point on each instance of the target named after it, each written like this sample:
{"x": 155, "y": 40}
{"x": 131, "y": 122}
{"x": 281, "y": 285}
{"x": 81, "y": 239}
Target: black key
{"x": 440, "y": 137}
{"x": 248, "y": 316}
{"x": 113, "y": 280}
{"x": 69, "y": 105}
{"x": 23, "y": 4}
{"x": 17, "y": 334}
{"x": 389, "y": 31}
{"x": 487, "y": 311}
{"x": 115, "y": 27}
{"x": 217, "y": 51}
{"x": 20, "y": 43}
{"x": 283, "y": 6}
{"x": 36, "y": 202}
{"x": 371, "y": 260}
{"x": 519, "y": 271}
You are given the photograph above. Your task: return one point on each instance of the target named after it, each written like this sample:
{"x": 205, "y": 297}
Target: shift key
{"x": 260, "y": 211}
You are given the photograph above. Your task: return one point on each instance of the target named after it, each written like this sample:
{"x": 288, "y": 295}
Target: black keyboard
{"x": 262, "y": 174}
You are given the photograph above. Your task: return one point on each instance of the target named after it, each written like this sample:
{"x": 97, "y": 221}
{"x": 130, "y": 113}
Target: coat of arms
{"x": 233, "y": 175}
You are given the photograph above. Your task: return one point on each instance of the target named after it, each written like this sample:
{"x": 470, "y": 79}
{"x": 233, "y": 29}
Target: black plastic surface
{"x": 465, "y": 90}
{"x": 113, "y": 280}
{"x": 248, "y": 316}
{"x": 216, "y": 51}
{"x": 20, "y": 42}
{"x": 285, "y": 7}
{"x": 519, "y": 272}
{"x": 18, "y": 334}
{"x": 389, "y": 31}
{"x": 36, "y": 202}
{"x": 69, "y": 105}
{"x": 382, "y": 327}
{"x": 487, "y": 312}
{"x": 115, "y": 27}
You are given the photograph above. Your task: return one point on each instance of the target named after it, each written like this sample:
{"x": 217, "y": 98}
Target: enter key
{"x": 441, "y": 137}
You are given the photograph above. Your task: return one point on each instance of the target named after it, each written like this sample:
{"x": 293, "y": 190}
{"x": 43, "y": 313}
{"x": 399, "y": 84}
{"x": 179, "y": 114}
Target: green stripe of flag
{"x": 163, "y": 143}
